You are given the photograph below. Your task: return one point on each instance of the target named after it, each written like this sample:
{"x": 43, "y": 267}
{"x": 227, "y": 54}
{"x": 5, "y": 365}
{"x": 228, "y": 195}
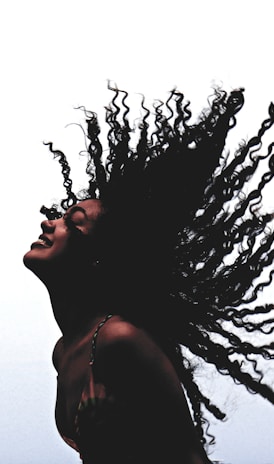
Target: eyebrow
{"x": 75, "y": 208}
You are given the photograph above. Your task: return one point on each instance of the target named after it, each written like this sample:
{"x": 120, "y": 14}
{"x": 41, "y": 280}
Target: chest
{"x": 74, "y": 375}
{"x": 77, "y": 386}
{"x": 73, "y": 365}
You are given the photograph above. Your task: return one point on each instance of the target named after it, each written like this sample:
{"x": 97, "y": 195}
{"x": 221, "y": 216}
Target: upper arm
{"x": 136, "y": 368}
{"x": 132, "y": 360}
{"x": 137, "y": 371}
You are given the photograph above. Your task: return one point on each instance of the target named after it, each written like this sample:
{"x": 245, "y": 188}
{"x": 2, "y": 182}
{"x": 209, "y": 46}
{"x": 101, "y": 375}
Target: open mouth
{"x": 42, "y": 242}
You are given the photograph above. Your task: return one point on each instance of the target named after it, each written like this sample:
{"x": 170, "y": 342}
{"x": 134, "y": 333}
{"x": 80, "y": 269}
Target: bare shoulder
{"x": 119, "y": 333}
{"x": 125, "y": 347}
{"x": 118, "y": 329}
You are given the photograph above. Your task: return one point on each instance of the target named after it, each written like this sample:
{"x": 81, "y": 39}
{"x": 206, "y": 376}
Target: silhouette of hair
{"x": 186, "y": 246}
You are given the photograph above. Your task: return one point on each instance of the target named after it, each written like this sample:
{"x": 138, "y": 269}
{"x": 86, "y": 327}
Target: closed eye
{"x": 68, "y": 218}
{"x": 70, "y": 224}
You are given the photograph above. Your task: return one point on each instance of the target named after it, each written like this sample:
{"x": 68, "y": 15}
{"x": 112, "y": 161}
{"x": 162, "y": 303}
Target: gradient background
{"x": 56, "y": 55}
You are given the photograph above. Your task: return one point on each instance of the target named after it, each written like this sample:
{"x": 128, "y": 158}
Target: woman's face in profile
{"x": 57, "y": 244}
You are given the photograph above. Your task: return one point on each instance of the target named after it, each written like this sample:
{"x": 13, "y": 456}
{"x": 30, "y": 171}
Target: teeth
{"x": 43, "y": 242}
{"x": 40, "y": 243}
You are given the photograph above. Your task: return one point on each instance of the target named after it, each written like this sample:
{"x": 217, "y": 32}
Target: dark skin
{"x": 130, "y": 369}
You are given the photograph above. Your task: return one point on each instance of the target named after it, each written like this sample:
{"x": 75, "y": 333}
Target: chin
{"x": 27, "y": 260}
{"x": 37, "y": 256}
{"x": 30, "y": 264}
{"x": 33, "y": 263}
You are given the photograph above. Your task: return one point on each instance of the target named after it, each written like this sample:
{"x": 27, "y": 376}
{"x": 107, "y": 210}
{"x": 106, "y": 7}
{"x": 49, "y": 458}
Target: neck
{"x": 76, "y": 309}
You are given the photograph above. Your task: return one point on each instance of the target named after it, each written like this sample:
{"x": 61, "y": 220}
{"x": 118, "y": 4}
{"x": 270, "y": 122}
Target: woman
{"x": 138, "y": 265}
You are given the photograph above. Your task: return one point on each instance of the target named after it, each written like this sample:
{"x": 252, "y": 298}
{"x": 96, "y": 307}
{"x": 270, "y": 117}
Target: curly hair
{"x": 186, "y": 246}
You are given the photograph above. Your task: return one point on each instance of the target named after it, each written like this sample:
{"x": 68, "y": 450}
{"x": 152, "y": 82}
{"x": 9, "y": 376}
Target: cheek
{"x": 61, "y": 246}
{"x": 72, "y": 250}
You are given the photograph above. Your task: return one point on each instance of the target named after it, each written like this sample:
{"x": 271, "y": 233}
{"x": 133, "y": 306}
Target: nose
{"x": 47, "y": 226}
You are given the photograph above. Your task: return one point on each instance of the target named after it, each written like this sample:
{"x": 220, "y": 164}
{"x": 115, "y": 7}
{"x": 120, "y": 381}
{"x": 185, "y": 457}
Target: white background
{"x": 56, "y": 55}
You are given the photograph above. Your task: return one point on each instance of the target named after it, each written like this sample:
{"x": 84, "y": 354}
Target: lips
{"x": 42, "y": 242}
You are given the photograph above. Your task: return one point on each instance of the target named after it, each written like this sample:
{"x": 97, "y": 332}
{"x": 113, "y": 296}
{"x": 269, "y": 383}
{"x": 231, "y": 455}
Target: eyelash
{"x": 70, "y": 224}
